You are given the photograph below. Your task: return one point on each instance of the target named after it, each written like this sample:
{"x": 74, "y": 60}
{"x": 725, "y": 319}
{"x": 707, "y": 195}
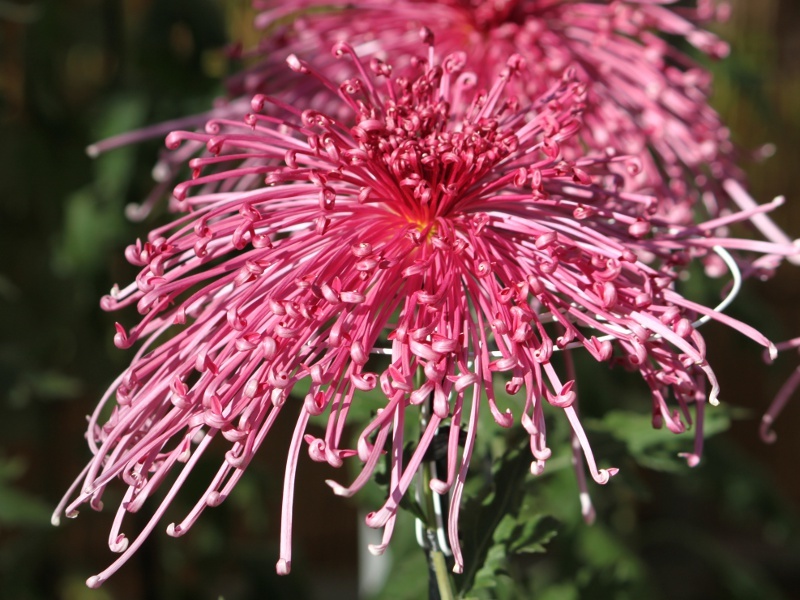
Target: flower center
{"x": 433, "y": 161}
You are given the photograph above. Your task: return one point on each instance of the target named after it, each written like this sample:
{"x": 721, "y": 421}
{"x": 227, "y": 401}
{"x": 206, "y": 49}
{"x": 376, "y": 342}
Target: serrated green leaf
{"x": 500, "y": 524}
{"x": 532, "y": 535}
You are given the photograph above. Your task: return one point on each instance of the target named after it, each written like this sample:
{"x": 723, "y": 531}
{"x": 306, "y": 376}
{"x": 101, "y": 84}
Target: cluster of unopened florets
{"x": 435, "y": 239}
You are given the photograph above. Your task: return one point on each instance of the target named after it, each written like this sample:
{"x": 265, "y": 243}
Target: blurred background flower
{"x": 75, "y": 71}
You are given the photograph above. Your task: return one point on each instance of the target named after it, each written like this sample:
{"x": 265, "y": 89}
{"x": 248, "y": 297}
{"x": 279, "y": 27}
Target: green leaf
{"x": 532, "y": 535}
{"x": 503, "y": 523}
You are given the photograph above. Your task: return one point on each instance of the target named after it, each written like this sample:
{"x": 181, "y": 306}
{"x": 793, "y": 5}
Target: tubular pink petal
{"x": 284, "y": 564}
{"x": 777, "y": 405}
{"x": 587, "y": 509}
{"x": 458, "y": 485}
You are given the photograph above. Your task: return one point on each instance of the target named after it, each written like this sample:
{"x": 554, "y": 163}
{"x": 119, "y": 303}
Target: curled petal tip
{"x": 778, "y": 201}
{"x": 771, "y": 353}
{"x": 505, "y": 419}
{"x": 691, "y": 459}
{"x": 215, "y": 498}
{"x": 439, "y": 486}
{"x": 120, "y": 544}
{"x": 426, "y": 35}
{"x": 337, "y": 488}
{"x": 136, "y": 212}
{"x": 516, "y": 62}
{"x": 295, "y": 64}
{"x": 173, "y": 140}
{"x": 767, "y": 434}
{"x": 283, "y": 567}
{"x": 376, "y": 549}
{"x": 161, "y": 172}
{"x": 604, "y": 475}
{"x": 339, "y": 49}
{"x": 258, "y": 102}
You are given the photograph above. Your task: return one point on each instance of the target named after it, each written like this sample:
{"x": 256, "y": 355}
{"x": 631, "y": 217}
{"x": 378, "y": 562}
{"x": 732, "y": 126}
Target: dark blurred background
{"x": 75, "y": 71}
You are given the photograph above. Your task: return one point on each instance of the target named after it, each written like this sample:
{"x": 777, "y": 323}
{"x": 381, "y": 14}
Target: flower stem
{"x": 442, "y": 576}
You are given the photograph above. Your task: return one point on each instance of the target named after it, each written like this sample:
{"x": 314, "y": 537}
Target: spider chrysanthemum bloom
{"x": 439, "y": 242}
{"x": 646, "y": 96}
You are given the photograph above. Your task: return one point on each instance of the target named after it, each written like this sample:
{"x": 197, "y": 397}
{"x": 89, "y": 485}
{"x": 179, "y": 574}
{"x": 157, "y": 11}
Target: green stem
{"x": 442, "y": 575}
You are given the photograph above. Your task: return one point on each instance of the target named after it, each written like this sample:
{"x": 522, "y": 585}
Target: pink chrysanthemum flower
{"x": 645, "y": 97}
{"x": 439, "y": 242}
